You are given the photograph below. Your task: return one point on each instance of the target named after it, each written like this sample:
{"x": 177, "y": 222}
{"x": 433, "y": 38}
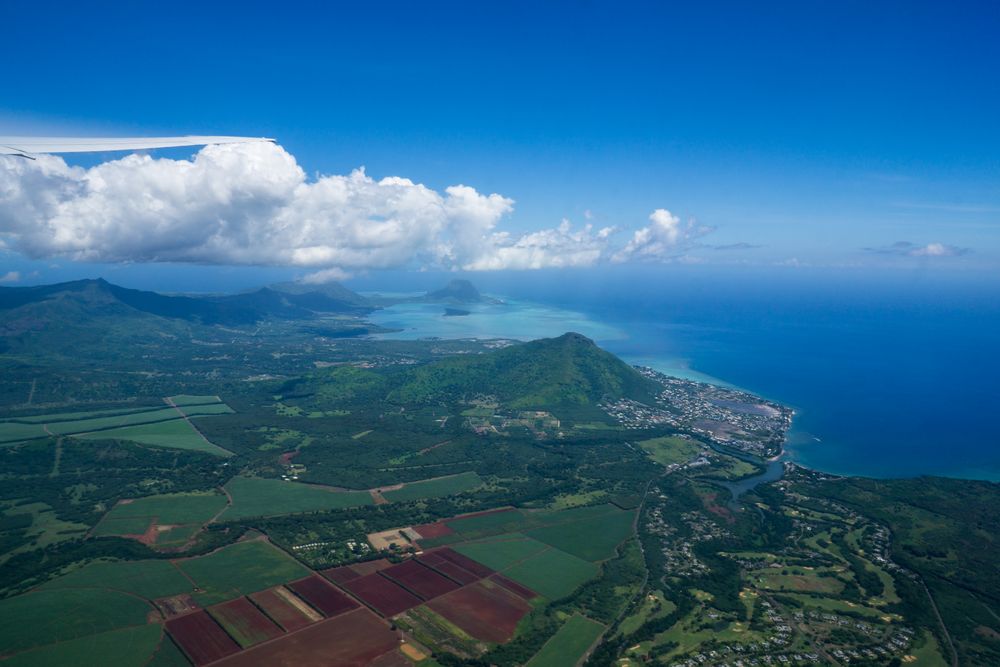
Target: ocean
{"x": 890, "y": 375}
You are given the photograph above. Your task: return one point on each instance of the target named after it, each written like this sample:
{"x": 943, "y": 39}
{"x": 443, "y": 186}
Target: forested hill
{"x": 570, "y": 369}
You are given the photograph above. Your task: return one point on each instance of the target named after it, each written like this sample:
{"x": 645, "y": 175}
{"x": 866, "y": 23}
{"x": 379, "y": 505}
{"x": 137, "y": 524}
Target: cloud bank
{"x": 908, "y": 249}
{"x": 252, "y": 204}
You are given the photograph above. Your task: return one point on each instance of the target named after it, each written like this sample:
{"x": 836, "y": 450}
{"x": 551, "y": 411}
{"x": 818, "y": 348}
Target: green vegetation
{"x": 569, "y": 644}
{"x": 240, "y": 569}
{"x": 150, "y": 579}
{"x": 593, "y": 538}
{"x": 45, "y": 617}
{"x": 175, "y": 434}
{"x": 669, "y": 450}
{"x": 127, "y": 647}
{"x": 435, "y": 488}
{"x": 133, "y": 516}
{"x": 553, "y": 573}
{"x": 502, "y": 552}
{"x": 255, "y": 496}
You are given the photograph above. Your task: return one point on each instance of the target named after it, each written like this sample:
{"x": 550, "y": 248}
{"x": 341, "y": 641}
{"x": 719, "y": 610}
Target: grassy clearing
{"x": 927, "y": 653}
{"x": 592, "y": 538}
{"x": 255, "y": 496}
{"x": 671, "y": 449}
{"x": 126, "y": 647}
{"x": 798, "y": 581}
{"x": 174, "y": 434}
{"x": 436, "y": 488}
{"x": 568, "y": 645}
{"x": 488, "y": 524}
{"x": 149, "y": 579}
{"x": 240, "y": 569}
{"x": 653, "y": 606}
{"x": 502, "y": 552}
{"x": 552, "y": 573}
{"x": 46, "y": 528}
{"x": 44, "y": 617}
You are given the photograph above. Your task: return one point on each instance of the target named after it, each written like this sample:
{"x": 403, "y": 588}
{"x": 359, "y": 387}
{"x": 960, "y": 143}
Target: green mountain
{"x": 326, "y": 297}
{"x": 568, "y": 370}
{"x": 460, "y": 291}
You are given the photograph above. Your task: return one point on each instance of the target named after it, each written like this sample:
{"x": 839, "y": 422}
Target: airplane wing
{"x": 28, "y": 146}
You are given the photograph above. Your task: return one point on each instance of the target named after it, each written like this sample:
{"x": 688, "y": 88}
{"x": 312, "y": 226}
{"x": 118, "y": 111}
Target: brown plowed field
{"x": 280, "y": 610}
{"x": 514, "y": 587}
{"x": 370, "y": 566}
{"x": 244, "y": 622}
{"x": 420, "y": 579}
{"x": 340, "y": 574}
{"x": 459, "y": 574}
{"x": 201, "y": 638}
{"x": 382, "y": 595}
{"x": 465, "y": 562}
{"x": 322, "y": 596}
{"x": 483, "y": 610}
{"x": 431, "y": 530}
{"x": 353, "y": 639}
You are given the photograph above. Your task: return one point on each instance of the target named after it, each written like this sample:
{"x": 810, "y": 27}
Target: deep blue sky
{"x": 812, "y": 129}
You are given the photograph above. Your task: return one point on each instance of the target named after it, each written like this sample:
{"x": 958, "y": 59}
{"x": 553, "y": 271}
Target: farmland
{"x": 176, "y": 511}
{"x": 46, "y": 617}
{"x": 149, "y": 579}
{"x": 435, "y": 488}
{"x": 240, "y": 569}
{"x": 569, "y": 644}
{"x": 158, "y": 426}
{"x": 125, "y": 646}
{"x": 253, "y": 496}
{"x": 244, "y": 622}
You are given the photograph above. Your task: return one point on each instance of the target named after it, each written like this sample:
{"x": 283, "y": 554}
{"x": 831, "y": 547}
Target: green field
{"x": 671, "y": 449}
{"x": 488, "y": 524}
{"x": 435, "y": 488}
{"x": 44, "y": 617}
{"x": 568, "y": 645}
{"x": 169, "y": 509}
{"x": 589, "y": 535}
{"x": 255, "y": 496}
{"x": 149, "y": 579}
{"x": 501, "y": 552}
{"x": 129, "y": 525}
{"x": 552, "y": 573}
{"x": 240, "y": 569}
{"x": 186, "y": 399}
{"x": 127, "y": 647}
{"x": 175, "y": 434}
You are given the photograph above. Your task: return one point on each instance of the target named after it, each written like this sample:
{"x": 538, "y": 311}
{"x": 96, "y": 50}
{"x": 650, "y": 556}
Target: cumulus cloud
{"x": 252, "y": 204}
{"x": 661, "y": 239}
{"x": 11, "y": 277}
{"x": 560, "y": 247}
{"x": 908, "y": 249}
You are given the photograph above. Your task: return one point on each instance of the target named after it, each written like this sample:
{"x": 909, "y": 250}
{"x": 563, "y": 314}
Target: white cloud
{"x": 325, "y": 276}
{"x": 661, "y": 239}
{"x": 252, "y": 204}
{"x": 908, "y": 249}
{"x": 11, "y": 277}
{"x": 560, "y": 247}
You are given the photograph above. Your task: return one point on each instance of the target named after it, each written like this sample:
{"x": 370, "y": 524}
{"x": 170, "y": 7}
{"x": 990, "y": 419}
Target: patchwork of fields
{"x": 251, "y": 603}
{"x": 159, "y": 426}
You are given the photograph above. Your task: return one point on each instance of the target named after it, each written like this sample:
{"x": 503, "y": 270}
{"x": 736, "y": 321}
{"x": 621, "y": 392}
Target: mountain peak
{"x": 457, "y": 290}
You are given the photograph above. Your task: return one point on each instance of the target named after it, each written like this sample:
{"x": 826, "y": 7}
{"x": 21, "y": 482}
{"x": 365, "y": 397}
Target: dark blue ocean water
{"x": 890, "y": 374}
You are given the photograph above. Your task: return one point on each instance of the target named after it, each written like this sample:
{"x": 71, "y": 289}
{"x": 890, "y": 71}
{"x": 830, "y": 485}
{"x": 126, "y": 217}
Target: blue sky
{"x": 836, "y": 134}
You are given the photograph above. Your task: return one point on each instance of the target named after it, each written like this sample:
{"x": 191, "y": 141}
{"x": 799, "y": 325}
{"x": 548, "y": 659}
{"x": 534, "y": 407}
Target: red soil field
{"x": 353, "y": 639}
{"x": 420, "y": 579}
{"x": 485, "y": 611}
{"x": 201, "y": 638}
{"x": 322, "y": 596}
{"x": 244, "y": 622}
{"x": 464, "y": 562}
{"x": 280, "y": 610}
{"x": 432, "y": 530}
{"x": 514, "y": 587}
{"x": 452, "y": 571}
{"x": 339, "y": 574}
{"x": 382, "y": 595}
